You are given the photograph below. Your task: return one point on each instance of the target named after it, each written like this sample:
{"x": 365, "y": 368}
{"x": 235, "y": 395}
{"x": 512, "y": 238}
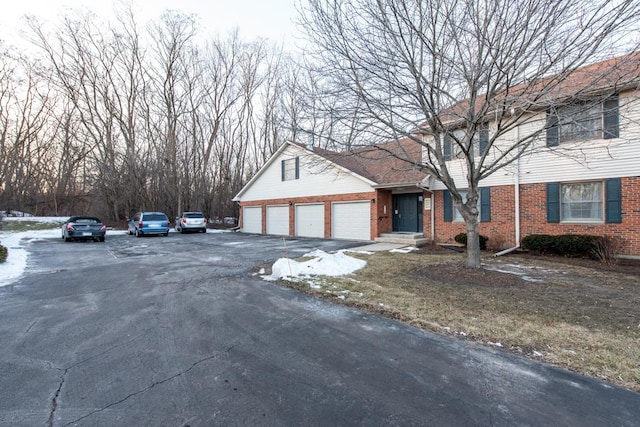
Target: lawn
{"x": 577, "y": 314}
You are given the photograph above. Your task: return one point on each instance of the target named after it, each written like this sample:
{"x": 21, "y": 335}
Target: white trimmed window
{"x": 582, "y": 202}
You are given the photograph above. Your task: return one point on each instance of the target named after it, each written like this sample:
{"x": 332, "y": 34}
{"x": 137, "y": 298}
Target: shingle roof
{"x": 381, "y": 163}
{"x": 615, "y": 74}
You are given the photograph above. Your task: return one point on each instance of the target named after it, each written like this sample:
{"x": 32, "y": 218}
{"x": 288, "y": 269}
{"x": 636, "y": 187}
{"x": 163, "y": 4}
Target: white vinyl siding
{"x": 252, "y": 219}
{"x": 310, "y": 220}
{"x": 317, "y": 177}
{"x": 593, "y": 159}
{"x": 351, "y": 220}
{"x": 278, "y": 220}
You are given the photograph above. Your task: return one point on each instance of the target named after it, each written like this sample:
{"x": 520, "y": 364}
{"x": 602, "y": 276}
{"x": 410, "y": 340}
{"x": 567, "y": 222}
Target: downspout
{"x": 516, "y": 185}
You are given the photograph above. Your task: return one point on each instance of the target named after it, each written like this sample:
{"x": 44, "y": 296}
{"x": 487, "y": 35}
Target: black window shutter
{"x": 297, "y": 167}
{"x": 485, "y": 204}
{"x": 446, "y": 146}
{"x": 448, "y": 207}
{"x": 282, "y": 170}
{"x": 613, "y": 192}
{"x": 553, "y": 202}
{"x": 610, "y": 118}
{"x": 553, "y": 137}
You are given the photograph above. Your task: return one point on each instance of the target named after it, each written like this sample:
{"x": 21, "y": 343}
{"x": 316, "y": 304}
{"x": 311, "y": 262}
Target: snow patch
{"x": 16, "y": 243}
{"x": 405, "y": 250}
{"x": 320, "y": 264}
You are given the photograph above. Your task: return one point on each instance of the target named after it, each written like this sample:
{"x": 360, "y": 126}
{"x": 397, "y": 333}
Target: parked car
{"x": 191, "y": 221}
{"x": 83, "y": 228}
{"x": 144, "y": 223}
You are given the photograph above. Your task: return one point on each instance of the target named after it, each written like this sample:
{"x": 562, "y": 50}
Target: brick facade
{"x": 327, "y": 200}
{"x": 533, "y": 218}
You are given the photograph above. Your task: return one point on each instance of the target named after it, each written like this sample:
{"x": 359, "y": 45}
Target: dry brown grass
{"x": 580, "y": 317}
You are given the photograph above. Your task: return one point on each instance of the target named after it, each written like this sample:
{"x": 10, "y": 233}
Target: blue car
{"x": 144, "y": 223}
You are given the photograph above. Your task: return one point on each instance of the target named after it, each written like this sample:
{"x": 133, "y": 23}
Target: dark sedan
{"x": 83, "y": 228}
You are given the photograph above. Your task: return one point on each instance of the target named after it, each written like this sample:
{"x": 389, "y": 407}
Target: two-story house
{"x": 579, "y": 175}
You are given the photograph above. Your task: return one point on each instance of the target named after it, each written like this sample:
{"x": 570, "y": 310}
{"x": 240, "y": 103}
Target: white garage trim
{"x": 278, "y": 220}
{"x": 351, "y": 220}
{"x": 252, "y": 219}
{"x": 310, "y": 220}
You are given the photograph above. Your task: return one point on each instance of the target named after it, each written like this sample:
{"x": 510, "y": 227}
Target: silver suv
{"x": 191, "y": 221}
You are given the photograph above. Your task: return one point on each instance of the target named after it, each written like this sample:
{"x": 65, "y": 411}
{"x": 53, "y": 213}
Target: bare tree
{"x": 439, "y": 71}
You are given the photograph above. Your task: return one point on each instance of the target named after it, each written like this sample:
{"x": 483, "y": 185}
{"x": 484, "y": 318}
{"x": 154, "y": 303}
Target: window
{"x": 290, "y": 169}
{"x": 457, "y": 216}
{"x": 583, "y": 121}
{"x": 481, "y": 140}
{"x": 581, "y": 202}
{"x": 588, "y": 202}
{"x": 479, "y": 144}
{"x": 451, "y": 214}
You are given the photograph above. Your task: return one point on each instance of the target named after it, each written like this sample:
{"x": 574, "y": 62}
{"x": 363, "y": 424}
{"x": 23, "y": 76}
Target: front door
{"x": 407, "y": 213}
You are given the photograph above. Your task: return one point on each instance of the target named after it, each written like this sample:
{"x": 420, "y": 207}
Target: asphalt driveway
{"x": 177, "y": 331}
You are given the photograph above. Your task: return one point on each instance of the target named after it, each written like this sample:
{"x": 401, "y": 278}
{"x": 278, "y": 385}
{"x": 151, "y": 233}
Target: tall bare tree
{"x": 439, "y": 71}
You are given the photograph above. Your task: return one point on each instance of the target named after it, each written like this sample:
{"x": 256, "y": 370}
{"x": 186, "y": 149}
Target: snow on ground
{"x": 320, "y": 264}
{"x": 16, "y": 243}
{"x": 527, "y": 273}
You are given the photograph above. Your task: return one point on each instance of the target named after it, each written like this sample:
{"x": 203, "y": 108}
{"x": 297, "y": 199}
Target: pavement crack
{"x": 149, "y": 387}
{"x": 54, "y": 400}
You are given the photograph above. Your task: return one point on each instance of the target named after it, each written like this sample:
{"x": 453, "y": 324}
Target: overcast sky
{"x": 254, "y": 18}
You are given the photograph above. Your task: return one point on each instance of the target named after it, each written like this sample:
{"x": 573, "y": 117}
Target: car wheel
{"x": 101, "y": 239}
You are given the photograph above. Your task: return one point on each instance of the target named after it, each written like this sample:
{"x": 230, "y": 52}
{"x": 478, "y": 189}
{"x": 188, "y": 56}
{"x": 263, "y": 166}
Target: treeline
{"x": 110, "y": 117}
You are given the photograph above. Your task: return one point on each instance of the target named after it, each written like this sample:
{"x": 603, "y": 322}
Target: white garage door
{"x": 278, "y": 220}
{"x": 310, "y": 220}
{"x": 351, "y": 220}
{"x": 252, "y": 219}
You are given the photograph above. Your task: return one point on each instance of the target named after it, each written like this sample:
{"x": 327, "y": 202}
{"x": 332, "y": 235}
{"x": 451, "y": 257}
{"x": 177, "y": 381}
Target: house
{"x": 580, "y": 175}
{"x": 311, "y": 192}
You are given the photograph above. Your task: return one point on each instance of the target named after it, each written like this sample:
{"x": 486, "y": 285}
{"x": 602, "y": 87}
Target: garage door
{"x": 278, "y": 220}
{"x": 310, "y": 220}
{"x": 252, "y": 219}
{"x": 351, "y": 220}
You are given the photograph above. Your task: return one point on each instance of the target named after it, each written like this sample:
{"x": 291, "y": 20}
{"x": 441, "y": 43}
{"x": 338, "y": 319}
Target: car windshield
{"x": 155, "y": 217}
{"x": 193, "y": 215}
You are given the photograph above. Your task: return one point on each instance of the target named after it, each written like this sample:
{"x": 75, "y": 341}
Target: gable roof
{"x": 377, "y": 165}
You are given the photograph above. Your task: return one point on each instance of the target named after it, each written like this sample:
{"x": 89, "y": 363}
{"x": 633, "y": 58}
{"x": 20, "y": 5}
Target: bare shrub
{"x": 605, "y": 249}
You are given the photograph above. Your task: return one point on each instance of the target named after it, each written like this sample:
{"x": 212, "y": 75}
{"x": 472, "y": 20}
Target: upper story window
{"x": 290, "y": 169}
{"x": 479, "y": 143}
{"x": 583, "y": 121}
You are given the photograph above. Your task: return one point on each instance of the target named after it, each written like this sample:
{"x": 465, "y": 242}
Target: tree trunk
{"x": 473, "y": 244}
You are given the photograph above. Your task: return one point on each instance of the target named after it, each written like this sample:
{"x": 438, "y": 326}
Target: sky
{"x": 254, "y": 18}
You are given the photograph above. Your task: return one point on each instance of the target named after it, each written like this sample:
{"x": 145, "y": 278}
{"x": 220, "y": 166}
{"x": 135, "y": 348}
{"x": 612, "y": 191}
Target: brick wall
{"x": 327, "y": 200}
{"x": 533, "y": 218}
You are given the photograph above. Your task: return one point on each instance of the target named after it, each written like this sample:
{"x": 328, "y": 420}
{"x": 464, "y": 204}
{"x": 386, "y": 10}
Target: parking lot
{"x": 178, "y": 331}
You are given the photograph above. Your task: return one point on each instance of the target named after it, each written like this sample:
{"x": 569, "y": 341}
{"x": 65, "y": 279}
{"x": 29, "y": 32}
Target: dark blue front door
{"x": 407, "y": 212}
